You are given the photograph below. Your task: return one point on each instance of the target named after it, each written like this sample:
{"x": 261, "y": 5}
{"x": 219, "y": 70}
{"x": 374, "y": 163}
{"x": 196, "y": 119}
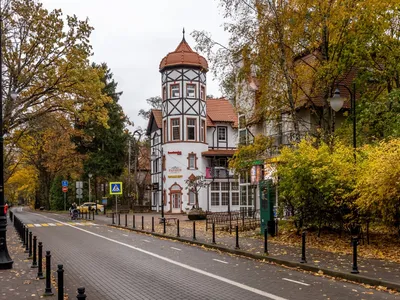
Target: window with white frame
{"x": 176, "y": 129}
{"x": 175, "y": 92}
{"x": 235, "y": 193}
{"x": 192, "y": 161}
{"x": 191, "y": 129}
{"x": 215, "y": 194}
{"x": 192, "y": 197}
{"x": 203, "y": 93}
{"x": 222, "y": 134}
{"x": 191, "y": 90}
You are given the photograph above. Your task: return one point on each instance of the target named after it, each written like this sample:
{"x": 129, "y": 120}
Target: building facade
{"x": 191, "y": 136}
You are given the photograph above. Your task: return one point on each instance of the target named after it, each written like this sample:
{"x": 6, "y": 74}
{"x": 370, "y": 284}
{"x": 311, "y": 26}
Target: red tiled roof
{"x": 183, "y": 55}
{"x": 157, "y": 117}
{"x": 219, "y": 152}
{"x": 221, "y": 110}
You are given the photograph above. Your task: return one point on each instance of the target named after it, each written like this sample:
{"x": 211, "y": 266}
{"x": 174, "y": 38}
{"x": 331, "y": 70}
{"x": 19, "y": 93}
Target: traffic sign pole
{"x": 65, "y": 201}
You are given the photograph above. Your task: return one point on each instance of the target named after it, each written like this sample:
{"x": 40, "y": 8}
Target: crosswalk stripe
{"x": 52, "y": 224}
{"x": 37, "y": 225}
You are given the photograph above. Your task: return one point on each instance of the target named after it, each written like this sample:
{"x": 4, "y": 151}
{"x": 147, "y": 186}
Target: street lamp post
{"x": 5, "y": 260}
{"x": 336, "y": 103}
{"x": 154, "y": 157}
{"x": 90, "y": 196}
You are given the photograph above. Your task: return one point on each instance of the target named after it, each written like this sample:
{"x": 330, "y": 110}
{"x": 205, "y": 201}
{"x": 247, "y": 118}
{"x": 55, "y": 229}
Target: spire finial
{"x": 183, "y": 32}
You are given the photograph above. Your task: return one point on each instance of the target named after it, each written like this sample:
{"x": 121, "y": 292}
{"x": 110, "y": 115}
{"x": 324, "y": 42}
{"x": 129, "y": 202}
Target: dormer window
{"x": 222, "y": 134}
{"x": 175, "y": 92}
{"x": 190, "y": 90}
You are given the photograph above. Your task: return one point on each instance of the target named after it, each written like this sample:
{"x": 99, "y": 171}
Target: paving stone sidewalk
{"x": 370, "y": 268}
{"x": 20, "y": 282}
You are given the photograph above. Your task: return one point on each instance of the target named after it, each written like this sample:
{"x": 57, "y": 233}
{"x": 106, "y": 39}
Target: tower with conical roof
{"x": 183, "y": 79}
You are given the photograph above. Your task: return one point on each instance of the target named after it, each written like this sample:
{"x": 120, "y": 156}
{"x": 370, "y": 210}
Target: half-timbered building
{"x": 191, "y": 135}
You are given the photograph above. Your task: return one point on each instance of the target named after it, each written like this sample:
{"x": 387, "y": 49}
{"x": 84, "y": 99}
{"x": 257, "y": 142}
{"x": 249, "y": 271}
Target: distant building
{"x": 195, "y": 136}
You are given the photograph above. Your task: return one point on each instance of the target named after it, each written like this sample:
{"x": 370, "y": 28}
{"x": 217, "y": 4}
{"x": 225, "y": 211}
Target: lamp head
{"x": 336, "y": 101}
{"x": 153, "y": 156}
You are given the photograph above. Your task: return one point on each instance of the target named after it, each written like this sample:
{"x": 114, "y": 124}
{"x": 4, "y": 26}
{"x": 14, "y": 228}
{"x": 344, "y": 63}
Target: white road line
{"x": 146, "y": 241}
{"x": 221, "y": 261}
{"x": 182, "y": 265}
{"x": 110, "y": 230}
{"x": 176, "y": 248}
{"x": 125, "y": 235}
{"x": 299, "y": 282}
{"x": 37, "y": 225}
{"x": 52, "y": 224}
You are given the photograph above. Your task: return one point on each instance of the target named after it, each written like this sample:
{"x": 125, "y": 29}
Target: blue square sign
{"x": 116, "y": 188}
{"x": 64, "y": 183}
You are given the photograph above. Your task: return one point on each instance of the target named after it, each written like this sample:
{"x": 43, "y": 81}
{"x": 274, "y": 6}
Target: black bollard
{"x": 266, "y": 240}
{"x": 93, "y": 215}
{"x": 152, "y": 224}
{"x": 40, "y": 263}
{"x": 86, "y": 215}
{"x": 142, "y": 223}
{"x": 81, "y": 294}
{"x": 126, "y": 220}
{"x": 177, "y": 228}
{"x": 60, "y": 283}
{"x": 133, "y": 222}
{"x": 119, "y": 219}
{"x": 164, "y": 226}
{"x": 113, "y": 219}
{"x": 30, "y": 245}
{"x": 27, "y": 240}
{"x": 34, "y": 261}
{"x": 237, "y": 237}
{"x": 355, "y": 267}
{"x": 24, "y": 236}
{"x": 47, "y": 291}
{"x": 276, "y": 227}
{"x": 303, "y": 248}
{"x": 194, "y": 230}
{"x": 213, "y": 233}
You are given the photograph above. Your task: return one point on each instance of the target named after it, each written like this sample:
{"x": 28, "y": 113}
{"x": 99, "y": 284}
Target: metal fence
{"x": 244, "y": 219}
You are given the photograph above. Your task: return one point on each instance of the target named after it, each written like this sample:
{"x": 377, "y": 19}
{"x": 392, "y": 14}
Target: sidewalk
{"x": 372, "y": 271}
{"x": 20, "y": 282}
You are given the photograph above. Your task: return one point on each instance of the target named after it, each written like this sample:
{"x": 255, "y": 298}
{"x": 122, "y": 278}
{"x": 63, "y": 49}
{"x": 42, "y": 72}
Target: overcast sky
{"x": 132, "y": 37}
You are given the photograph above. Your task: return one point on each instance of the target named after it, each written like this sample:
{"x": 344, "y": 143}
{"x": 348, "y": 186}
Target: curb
{"x": 348, "y": 276}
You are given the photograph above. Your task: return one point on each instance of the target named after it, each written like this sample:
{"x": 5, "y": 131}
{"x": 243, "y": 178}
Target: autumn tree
{"x": 105, "y": 147}
{"x": 378, "y": 183}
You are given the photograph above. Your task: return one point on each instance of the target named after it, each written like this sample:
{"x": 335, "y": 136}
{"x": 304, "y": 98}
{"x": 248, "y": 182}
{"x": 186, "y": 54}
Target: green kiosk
{"x": 267, "y": 202}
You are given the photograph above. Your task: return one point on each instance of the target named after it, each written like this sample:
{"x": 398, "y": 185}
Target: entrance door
{"x": 176, "y": 199}
{"x": 176, "y": 203}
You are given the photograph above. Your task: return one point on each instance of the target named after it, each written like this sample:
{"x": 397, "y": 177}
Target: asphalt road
{"x": 119, "y": 264}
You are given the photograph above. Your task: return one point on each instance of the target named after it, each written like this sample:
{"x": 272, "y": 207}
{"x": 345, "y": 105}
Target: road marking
{"x": 45, "y": 225}
{"x": 52, "y": 224}
{"x": 221, "y": 261}
{"x": 125, "y": 235}
{"x": 202, "y": 272}
{"x": 109, "y": 230}
{"x": 299, "y": 282}
{"x": 176, "y": 248}
{"x": 30, "y": 225}
{"x": 37, "y": 225}
{"x": 146, "y": 241}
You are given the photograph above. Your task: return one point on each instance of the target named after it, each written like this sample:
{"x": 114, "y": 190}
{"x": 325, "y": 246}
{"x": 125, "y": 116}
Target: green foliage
{"x": 56, "y": 194}
{"x": 105, "y": 147}
{"x": 315, "y": 183}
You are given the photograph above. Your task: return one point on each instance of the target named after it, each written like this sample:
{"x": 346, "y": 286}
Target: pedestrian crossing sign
{"x": 115, "y": 188}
